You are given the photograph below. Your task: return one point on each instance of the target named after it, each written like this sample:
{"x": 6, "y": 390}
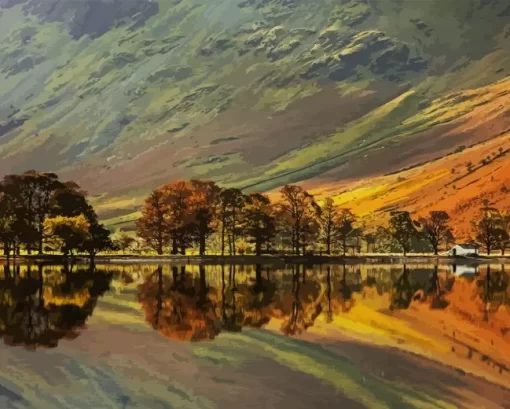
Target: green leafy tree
{"x": 98, "y": 240}
{"x": 403, "y": 229}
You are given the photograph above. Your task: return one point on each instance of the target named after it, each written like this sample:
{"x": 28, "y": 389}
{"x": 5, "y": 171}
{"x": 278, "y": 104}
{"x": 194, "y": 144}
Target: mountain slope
{"x": 125, "y": 95}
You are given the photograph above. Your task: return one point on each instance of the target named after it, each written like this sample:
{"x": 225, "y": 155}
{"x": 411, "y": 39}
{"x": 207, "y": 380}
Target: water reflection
{"x": 198, "y": 303}
{"x": 182, "y": 306}
{"x": 39, "y": 305}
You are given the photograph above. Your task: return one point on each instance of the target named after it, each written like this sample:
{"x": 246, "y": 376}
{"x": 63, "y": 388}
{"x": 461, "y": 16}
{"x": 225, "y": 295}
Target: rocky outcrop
{"x": 88, "y": 17}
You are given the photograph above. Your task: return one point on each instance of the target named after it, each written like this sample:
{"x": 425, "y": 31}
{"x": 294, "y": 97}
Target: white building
{"x": 464, "y": 250}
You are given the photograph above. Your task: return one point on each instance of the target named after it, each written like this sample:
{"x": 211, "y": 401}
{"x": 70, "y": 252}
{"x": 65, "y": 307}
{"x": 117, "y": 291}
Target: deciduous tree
{"x": 329, "y": 222}
{"x": 152, "y": 225}
{"x": 436, "y": 228}
{"x": 296, "y": 205}
{"x": 259, "y": 222}
{"x": 346, "y": 227}
{"x": 403, "y": 229}
{"x": 487, "y": 228}
{"x": 203, "y": 205}
{"x": 67, "y": 233}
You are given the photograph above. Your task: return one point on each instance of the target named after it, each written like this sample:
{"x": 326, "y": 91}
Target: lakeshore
{"x": 282, "y": 260}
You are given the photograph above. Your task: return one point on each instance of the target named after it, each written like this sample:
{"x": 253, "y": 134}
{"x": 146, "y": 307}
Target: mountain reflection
{"x": 198, "y": 303}
{"x": 40, "y": 305}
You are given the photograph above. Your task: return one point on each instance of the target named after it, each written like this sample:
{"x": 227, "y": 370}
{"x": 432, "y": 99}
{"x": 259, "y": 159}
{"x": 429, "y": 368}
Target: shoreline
{"x": 264, "y": 259}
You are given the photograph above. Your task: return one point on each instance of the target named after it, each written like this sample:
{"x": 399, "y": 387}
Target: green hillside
{"x": 125, "y": 95}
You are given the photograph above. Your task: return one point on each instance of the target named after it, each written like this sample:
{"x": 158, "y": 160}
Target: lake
{"x": 256, "y": 336}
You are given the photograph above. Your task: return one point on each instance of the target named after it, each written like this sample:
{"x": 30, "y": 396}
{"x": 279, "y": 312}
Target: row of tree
{"x": 184, "y": 213}
{"x": 38, "y": 212}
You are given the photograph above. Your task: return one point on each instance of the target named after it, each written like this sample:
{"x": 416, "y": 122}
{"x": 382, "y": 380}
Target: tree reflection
{"x": 258, "y": 296}
{"x": 300, "y": 307}
{"x": 182, "y": 308}
{"x": 197, "y": 306}
{"x": 402, "y": 292}
{"x": 492, "y": 290}
{"x": 45, "y": 305}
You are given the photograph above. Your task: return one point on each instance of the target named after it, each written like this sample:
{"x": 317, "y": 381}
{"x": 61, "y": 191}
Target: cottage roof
{"x": 468, "y": 246}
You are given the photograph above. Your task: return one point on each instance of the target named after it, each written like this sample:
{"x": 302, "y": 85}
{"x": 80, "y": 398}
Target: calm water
{"x": 218, "y": 336}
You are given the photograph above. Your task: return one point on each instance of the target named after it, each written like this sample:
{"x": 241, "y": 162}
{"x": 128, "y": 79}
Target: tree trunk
{"x": 258, "y": 248}
{"x": 92, "y": 257}
{"x": 41, "y": 229}
{"x": 344, "y": 243}
{"x": 296, "y": 238}
{"x": 175, "y": 246}
{"x": 229, "y": 244}
{"x": 223, "y": 237}
{"x": 328, "y": 245}
{"x": 234, "y": 231}
{"x": 202, "y": 244}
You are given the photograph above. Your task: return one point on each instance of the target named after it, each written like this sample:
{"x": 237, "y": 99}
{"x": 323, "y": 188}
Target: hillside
{"x": 122, "y": 96}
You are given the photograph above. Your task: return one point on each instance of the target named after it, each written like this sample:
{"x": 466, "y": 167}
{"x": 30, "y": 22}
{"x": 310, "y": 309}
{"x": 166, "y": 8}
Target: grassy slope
{"x": 258, "y": 96}
{"x": 445, "y": 183}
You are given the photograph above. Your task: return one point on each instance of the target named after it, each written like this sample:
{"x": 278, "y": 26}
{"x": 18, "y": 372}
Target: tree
{"x": 231, "y": 204}
{"x": 9, "y": 231}
{"x": 67, "y": 233}
{"x": 309, "y": 231}
{"x": 487, "y": 228}
{"x": 203, "y": 204}
{"x": 502, "y": 240}
{"x": 436, "y": 228}
{"x": 346, "y": 229}
{"x": 296, "y": 205}
{"x": 152, "y": 225}
{"x": 370, "y": 240}
{"x": 177, "y": 196}
{"x": 97, "y": 241}
{"x": 403, "y": 229}
{"x": 259, "y": 222}
{"x": 328, "y": 222}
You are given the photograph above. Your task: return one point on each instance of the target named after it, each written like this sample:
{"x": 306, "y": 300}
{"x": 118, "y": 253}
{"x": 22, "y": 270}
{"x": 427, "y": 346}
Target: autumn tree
{"x": 487, "y": 228}
{"x": 203, "y": 205}
{"x": 502, "y": 240}
{"x": 259, "y": 221}
{"x": 436, "y": 228}
{"x": 297, "y": 204}
{"x": 152, "y": 225}
{"x": 231, "y": 204}
{"x": 345, "y": 227}
{"x": 403, "y": 229}
{"x": 177, "y": 196}
{"x": 503, "y": 233}
{"x": 329, "y": 222}
{"x": 309, "y": 231}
